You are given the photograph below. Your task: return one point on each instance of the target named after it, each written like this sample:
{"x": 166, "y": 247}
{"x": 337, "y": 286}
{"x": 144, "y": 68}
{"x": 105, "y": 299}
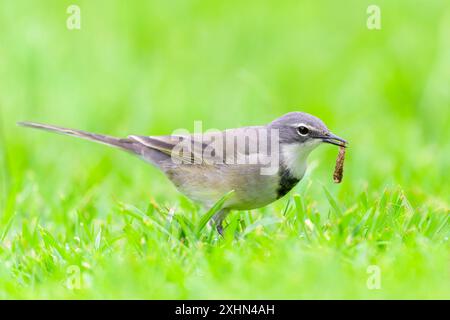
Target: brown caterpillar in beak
{"x": 339, "y": 168}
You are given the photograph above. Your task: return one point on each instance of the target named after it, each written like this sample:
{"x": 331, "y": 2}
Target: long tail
{"x": 124, "y": 144}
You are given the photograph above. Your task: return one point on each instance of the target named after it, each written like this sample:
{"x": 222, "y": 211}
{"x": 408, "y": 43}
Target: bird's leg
{"x": 219, "y": 228}
{"x": 217, "y": 220}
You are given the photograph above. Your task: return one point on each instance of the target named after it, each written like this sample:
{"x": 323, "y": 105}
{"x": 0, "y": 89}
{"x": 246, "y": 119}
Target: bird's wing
{"x": 233, "y": 146}
{"x": 179, "y": 148}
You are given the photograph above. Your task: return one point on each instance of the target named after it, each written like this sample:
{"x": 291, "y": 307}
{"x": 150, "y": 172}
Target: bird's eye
{"x": 303, "y": 130}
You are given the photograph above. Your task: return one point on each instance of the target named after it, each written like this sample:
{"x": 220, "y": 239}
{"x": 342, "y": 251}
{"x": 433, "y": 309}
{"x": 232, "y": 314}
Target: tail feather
{"x": 121, "y": 143}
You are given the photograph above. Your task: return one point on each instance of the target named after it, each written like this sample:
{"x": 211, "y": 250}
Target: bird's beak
{"x": 334, "y": 139}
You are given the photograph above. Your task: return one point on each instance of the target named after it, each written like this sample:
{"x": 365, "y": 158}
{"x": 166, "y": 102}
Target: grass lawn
{"x": 80, "y": 220}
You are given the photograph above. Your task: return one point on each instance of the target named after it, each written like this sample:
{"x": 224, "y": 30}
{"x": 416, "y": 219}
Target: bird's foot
{"x": 219, "y": 229}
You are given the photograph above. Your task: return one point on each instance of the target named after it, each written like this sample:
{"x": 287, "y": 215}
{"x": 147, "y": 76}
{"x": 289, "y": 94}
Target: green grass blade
{"x": 211, "y": 212}
{"x": 333, "y": 202}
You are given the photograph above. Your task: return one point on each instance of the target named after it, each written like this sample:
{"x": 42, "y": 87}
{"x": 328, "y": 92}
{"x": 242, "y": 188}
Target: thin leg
{"x": 219, "y": 229}
{"x": 217, "y": 220}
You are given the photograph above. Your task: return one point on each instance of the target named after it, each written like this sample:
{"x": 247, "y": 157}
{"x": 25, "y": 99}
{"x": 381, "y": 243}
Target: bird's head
{"x": 299, "y": 128}
{"x": 299, "y": 133}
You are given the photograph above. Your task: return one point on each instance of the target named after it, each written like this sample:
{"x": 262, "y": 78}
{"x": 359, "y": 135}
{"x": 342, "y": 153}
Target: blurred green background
{"x": 150, "y": 67}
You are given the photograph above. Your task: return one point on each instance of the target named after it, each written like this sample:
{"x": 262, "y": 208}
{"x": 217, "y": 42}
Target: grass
{"x": 79, "y": 220}
{"x": 293, "y": 252}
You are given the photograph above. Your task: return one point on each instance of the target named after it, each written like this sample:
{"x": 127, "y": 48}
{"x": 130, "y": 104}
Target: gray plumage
{"x": 212, "y": 164}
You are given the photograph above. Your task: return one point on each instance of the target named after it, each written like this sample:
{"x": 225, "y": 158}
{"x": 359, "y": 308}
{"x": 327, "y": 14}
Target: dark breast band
{"x": 287, "y": 182}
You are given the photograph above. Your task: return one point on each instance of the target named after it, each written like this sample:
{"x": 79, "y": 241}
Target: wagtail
{"x": 260, "y": 164}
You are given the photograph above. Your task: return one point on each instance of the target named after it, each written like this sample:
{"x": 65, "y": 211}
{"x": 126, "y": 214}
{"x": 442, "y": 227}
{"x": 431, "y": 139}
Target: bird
{"x": 256, "y": 164}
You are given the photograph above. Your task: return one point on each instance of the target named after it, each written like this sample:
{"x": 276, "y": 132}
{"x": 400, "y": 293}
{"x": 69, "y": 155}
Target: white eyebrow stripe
{"x": 296, "y": 125}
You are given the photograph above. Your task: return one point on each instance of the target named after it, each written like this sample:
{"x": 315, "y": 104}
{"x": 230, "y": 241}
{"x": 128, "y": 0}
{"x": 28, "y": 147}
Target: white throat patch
{"x": 295, "y": 156}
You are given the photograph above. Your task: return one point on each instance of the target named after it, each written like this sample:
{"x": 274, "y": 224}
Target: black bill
{"x": 334, "y": 139}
